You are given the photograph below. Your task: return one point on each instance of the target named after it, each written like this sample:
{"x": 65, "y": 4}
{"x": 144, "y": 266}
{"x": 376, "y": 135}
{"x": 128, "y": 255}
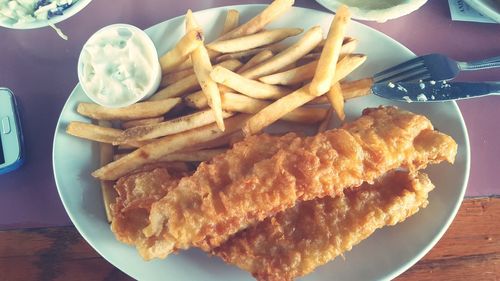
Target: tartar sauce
{"x": 118, "y": 66}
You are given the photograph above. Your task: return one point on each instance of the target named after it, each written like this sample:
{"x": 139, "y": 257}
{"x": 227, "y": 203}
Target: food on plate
{"x": 118, "y": 66}
{"x": 156, "y": 149}
{"x": 286, "y": 104}
{"x": 254, "y": 40}
{"x": 336, "y": 99}
{"x": 325, "y": 71}
{"x": 146, "y": 109}
{"x": 263, "y": 175}
{"x": 296, "y": 241}
{"x": 251, "y": 192}
{"x": 102, "y": 134}
{"x": 170, "y": 127}
{"x": 177, "y": 55}
{"x": 140, "y": 122}
{"x": 249, "y": 87}
{"x": 231, "y": 22}
{"x": 189, "y": 83}
{"x": 257, "y": 23}
{"x": 202, "y": 68}
{"x": 304, "y": 45}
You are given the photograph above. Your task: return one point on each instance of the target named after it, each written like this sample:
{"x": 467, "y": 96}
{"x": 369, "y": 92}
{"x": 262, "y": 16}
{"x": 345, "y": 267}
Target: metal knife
{"x": 434, "y": 91}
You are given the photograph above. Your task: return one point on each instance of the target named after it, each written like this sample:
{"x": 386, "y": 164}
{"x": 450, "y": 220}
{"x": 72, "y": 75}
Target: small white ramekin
{"x": 155, "y": 78}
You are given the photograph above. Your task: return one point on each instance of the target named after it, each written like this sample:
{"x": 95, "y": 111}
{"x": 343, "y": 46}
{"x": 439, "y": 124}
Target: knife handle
{"x": 480, "y": 64}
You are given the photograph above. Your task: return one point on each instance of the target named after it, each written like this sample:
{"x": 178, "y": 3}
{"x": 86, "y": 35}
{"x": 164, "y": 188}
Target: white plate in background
{"x": 375, "y": 10}
{"x": 489, "y": 8}
{"x": 384, "y": 255}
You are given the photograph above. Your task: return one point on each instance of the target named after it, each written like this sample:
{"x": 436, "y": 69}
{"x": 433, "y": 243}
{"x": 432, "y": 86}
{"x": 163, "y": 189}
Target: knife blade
{"x": 434, "y": 91}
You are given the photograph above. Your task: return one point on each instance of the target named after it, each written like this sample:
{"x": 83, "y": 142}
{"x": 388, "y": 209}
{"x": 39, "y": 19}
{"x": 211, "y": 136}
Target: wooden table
{"x": 470, "y": 250}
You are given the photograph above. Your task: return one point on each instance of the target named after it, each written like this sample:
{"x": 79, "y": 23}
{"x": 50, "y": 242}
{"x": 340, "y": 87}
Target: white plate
{"x": 489, "y": 8}
{"x": 378, "y": 10}
{"x": 77, "y": 7}
{"x": 384, "y": 255}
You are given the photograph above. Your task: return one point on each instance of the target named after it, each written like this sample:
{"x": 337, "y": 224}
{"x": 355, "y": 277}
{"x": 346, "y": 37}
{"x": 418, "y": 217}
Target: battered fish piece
{"x": 294, "y": 242}
{"x": 136, "y": 193}
{"x": 264, "y": 175}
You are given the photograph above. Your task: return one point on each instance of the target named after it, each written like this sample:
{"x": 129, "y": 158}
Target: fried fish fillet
{"x": 296, "y": 241}
{"x": 136, "y": 193}
{"x": 264, "y": 175}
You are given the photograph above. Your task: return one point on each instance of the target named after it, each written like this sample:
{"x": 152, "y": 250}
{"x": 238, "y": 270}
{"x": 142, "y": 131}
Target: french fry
{"x": 202, "y": 68}
{"x": 304, "y": 72}
{"x": 255, "y": 60}
{"x": 231, "y": 22}
{"x": 281, "y": 107}
{"x": 186, "y": 156}
{"x": 176, "y": 167}
{"x": 170, "y": 127}
{"x": 254, "y": 40}
{"x": 141, "y": 122}
{"x": 108, "y": 192}
{"x": 139, "y": 110}
{"x": 173, "y": 77}
{"x": 337, "y": 100}
{"x": 323, "y": 126}
{"x": 188, "y": 84}
{"x": 292, "y": 76}
{"x": 244, "y": 104}
{"x": 222, "y": 142}
{"x": 245, "y": 55}
{"x": 300, "y": 48}
{"x": 325, "y": 71}
{"x": 246, "y": 86}
{"x": 350, "y": 90}
{"x": 97, "y": 133}
{"x": 188, "y": 43}
{"x": 193, "y": 156}
{"x": 166, "y": 145}
{"x": 271, "y": 12}
{"x": 197, "y": 100}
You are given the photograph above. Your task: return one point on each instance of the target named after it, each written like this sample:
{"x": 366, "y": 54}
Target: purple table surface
{"x": 40, "y": 69}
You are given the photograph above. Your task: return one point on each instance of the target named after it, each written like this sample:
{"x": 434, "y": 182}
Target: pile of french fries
{"x": 216, "y": 93}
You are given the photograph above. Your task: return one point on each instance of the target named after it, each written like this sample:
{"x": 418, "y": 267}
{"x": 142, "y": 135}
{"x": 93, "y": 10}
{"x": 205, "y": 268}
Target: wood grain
{"x": 470, "y": 250}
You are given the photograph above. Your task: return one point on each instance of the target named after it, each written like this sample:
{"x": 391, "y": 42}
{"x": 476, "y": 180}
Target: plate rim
{"x": 391, "y": 275}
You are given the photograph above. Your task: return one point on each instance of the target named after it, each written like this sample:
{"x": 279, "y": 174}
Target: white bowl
{"x": 75, "y": 8}
{"x": 150, "y": 55}
{"x": 375, "y": 10}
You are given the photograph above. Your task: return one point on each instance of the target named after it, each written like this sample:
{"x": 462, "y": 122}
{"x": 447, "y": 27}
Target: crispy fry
{"x": 296, "y": 99}
{"x": 323, "y": 126}
{"x": 271, "y": 12}
{"x": 350, "y": 90}
{"x": 189, "y": 83}
{"x": 108, "y": 192}
{"x": 244, "y": 55}
{"x": 247, "y": 86}
{"x": 325, "y": 71}
{"x": 254, "y": 40}
{"x": 139, "y": 110}
{"x": 231, "y": 22}
{"x": 187, "y": 156}
{"x": 300, "y": 48}
{"x": 97, "y": 133}
{"x": 304, "y": 72}
{"x": 197, "y": 100}
{"x": 170, "y": 127}
{"x": 337, "y": 100}
{"x": 166, "y": 145}
{"x": 188, "y": 43}
{"x": 173, "y": 77}
{"x": 255, "y": 60}
{"x": 202, "y": 68}
{"x": 141, "y": 122}
{"x": 221, "y": 142}
{"x": 244, "y": 104}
